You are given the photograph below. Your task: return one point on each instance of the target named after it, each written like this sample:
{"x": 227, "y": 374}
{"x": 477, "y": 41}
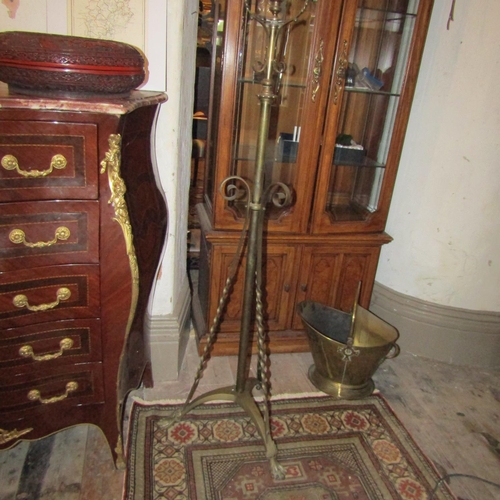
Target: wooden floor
{"x": 452, "y": 412}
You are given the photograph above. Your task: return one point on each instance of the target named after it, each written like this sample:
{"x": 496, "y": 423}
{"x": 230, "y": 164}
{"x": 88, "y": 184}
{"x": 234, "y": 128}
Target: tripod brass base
{"x": 247, "y": 402}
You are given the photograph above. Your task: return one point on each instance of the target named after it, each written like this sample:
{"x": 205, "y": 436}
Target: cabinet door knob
{"x": 303, "y": 287}
{"x": 26, "y": 351}
{"x": 10, "y": 162}
{"x": 287, "y": 288}
{"x": 35, "y": 395}
{"x": 18, "y": 236}
{"x": 22, "y": 301}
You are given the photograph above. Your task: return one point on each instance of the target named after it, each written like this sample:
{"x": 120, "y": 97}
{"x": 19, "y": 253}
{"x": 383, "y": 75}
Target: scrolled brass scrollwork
{"x": 279, "y": 194}
{"x": 274, "y": 28}
{"x": 339, "y": 82}
{"x": 34, "y": 394}
{"x": 10, "y": 162}
{"x": 230, "y": 190}
{"x": 318, "y": 65}
{"x": 18, "y": 236}
{"x": 112, "y": 165}
{"x": 22, "y": 301}
{"x": 26, "y": 351}
{"x": 6, "y": 436}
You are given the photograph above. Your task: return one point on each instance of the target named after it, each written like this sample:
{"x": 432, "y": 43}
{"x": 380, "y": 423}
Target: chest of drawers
{"x": 82, "y": 226}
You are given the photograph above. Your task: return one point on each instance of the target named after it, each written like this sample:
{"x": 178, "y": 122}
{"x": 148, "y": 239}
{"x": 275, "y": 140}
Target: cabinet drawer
{"x": 36, "y": 234}
{"x": 70, "y": 385}
{"x": 49, "y": 294}
{"x": 52, "y": 344}
{"x": 47, "y": 160}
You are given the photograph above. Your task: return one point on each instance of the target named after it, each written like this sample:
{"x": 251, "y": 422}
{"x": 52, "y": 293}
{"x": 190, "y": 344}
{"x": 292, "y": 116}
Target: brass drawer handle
{"x": 318, "y": 63}
{"x": 18, "y": 236}
{"x": 34, "y": 395}
{"x": 10, "y": 162}
{"x": 26, "y": 351}
{"x": 22, "y": 301}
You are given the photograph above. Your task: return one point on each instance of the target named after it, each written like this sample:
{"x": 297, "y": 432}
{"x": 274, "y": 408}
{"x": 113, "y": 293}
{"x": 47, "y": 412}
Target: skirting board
{"x": 453, "y": 335}
{"x": 169, "y": 335}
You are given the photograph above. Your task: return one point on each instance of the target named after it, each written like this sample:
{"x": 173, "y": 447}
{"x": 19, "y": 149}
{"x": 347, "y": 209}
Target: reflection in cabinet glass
{"x": 336, "y": 136}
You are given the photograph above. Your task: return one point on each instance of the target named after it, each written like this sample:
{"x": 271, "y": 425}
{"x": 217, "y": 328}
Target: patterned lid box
{"x": 35, "y": 63}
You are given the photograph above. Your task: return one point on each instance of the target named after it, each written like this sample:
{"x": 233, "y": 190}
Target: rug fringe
{"x": 274, "y": 397}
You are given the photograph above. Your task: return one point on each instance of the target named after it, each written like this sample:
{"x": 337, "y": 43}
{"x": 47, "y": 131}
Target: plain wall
{"x": 444, "y": 216}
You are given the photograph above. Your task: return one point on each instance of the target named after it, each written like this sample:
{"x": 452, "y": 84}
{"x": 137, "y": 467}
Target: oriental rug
{"x": 330, "y": 449}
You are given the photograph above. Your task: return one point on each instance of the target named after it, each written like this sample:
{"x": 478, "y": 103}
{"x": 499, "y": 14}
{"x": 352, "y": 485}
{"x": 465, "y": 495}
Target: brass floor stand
{"x": 242, "y": 393}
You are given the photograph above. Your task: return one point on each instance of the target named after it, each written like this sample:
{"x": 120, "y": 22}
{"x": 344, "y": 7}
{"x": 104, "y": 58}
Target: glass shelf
{"x": 363, "y": 90}
{"x": 402, "y": 14}
{"x": 366, "y": 163}
{"x": 256, "y": 81}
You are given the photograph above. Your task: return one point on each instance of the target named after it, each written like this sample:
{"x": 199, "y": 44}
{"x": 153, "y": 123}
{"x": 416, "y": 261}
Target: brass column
{"x": 241, "y": 393}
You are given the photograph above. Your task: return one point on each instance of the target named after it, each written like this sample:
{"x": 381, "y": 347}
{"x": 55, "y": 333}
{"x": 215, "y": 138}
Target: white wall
{"x": 445, "y": 213}
{"x": 173, "y": 146}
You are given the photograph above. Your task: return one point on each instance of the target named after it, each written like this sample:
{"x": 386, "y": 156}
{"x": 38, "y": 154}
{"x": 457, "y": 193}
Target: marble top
{"x": 95, "y": 103}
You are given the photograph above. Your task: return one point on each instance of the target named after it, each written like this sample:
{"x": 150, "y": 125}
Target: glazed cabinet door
{"x": 300, "y": 85}
{"x": 330, "y": 275}
{"x": 379, "y": 49}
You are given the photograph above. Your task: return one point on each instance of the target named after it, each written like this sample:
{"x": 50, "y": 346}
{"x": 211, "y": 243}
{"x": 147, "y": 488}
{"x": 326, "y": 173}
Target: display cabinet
{"x": 336, "y": 134}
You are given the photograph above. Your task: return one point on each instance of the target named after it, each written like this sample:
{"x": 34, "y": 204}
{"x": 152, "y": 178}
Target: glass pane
{"x": 283, "y": 135}
{"x": 377, "y": 63}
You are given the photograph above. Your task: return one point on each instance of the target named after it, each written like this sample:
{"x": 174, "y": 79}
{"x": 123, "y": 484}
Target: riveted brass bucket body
{"x": 347, "y": 349}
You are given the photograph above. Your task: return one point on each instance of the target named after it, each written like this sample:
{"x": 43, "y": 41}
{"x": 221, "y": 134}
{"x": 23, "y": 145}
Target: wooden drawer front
{"x": 48, "y": 294}
{"x": 50, "y": 344}
{"x": 68, "y": 386}
{"x": 47, "y": 233}
{"x": 46, "y": 160}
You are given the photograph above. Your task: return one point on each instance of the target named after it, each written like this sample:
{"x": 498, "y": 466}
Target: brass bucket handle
{"x": 394, "y": 352}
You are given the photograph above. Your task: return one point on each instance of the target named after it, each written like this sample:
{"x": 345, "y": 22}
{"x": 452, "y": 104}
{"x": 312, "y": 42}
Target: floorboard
{"x": 452, "y": 412}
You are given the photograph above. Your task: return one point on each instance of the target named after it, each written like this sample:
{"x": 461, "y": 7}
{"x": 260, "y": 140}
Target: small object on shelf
{"x": 287, "y": 148}
{"x": 349, "y": 154}
{"x": 350, "y": 76}
{"x": 347, "y": 150}
{"x": 69, "y": 66}
{"x": 367, "y": 80}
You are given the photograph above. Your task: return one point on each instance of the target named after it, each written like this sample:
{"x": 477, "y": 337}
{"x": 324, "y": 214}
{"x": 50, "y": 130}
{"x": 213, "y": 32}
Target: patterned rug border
{"x": 139, "y": 405}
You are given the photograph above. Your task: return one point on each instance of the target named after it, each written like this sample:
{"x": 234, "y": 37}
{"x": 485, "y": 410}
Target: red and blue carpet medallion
{"x": 330, "y": 449}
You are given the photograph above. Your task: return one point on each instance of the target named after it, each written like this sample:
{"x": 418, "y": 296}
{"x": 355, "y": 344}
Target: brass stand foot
{"x": 277, "y": 470}
{"x": 246, "y": 401}
{"x": 120, "y": 463}
{"x": 175, "y": 417}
